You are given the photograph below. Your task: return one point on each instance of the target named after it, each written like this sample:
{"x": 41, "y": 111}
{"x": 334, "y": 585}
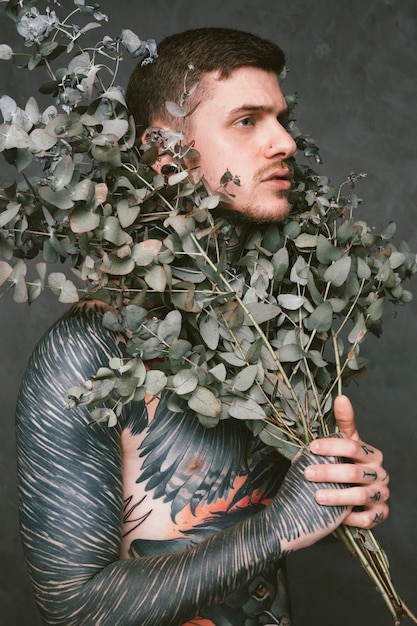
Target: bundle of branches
{"x": 262, "y": 323}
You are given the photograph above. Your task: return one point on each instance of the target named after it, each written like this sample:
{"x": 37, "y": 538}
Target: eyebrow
{"x": 256, "y": 108}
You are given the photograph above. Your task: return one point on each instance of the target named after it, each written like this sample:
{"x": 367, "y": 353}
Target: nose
{"x": 280, "y": 143}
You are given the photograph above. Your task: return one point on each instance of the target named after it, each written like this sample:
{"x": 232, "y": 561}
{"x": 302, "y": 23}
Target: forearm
{"x": 170, "y": 589}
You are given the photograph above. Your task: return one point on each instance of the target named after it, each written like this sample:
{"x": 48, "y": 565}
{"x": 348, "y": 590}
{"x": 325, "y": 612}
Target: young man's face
{"x": 238, "y": 127}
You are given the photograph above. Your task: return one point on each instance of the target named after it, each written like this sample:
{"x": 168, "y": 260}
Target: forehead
{"x": 245, "y": 85}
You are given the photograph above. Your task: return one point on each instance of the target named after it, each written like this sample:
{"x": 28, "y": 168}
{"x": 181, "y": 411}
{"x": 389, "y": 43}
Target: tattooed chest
{"x": 184, "y": 482}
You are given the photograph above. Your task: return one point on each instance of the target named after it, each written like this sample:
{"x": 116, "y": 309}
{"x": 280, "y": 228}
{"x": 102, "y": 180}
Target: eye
{"x": 247, "y": 121}
{"x": 261, "y": 591}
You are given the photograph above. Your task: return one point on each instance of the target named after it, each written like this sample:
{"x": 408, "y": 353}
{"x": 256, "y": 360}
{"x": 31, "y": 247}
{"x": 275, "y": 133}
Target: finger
{"x": 347, "y": 473}
{"x": 367, "y": 519}
{"x": 368, "y": 498}
{"x": 345, "y": 417}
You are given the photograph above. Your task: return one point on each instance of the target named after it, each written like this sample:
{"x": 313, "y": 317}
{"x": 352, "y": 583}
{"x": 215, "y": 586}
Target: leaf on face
{"x": 305, "y": 241}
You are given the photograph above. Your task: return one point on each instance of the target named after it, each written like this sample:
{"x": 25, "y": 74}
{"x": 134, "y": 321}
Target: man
{"x": 160, "y": 521}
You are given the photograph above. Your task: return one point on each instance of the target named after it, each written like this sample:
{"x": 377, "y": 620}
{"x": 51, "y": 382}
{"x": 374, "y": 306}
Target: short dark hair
{"x": 193, "y": 54}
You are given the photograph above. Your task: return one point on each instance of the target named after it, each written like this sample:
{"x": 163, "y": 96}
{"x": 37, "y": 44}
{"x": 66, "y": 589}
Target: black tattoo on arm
{"x": 71, "y": 506}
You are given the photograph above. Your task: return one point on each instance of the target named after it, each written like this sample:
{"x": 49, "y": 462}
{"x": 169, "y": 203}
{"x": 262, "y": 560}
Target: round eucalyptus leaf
{"x": 280, "y": 261}
{"x": 338, "y": 272}
{"x": 178, "y": 349}
{"x": 261, "y": 312}
{"x": 83, "y": 220}
{"x": 290, "y": 301}
{"x": 396, "y": 259}
{"x": 112, "y": 264}
{"x": 156, "y": 278}
{"x": 12, "y": 136}
{"x": 5, "y": 271}
{"x": 358, "y": 332}
{"x": 292, "y": 230}
{"x": 290, "y": 353}
{"x": 185, "y": 381}
{"x": 209, "y": 331}
{"x": 104, "y": 414}
{"x": 245, "y": 378}
{"x": 60, "y": 199}
{"x": 363, "y": 271}
{"x": 327, "y": 252}
{"x": 63, "y": 172}
{"x": 376, "y": 309}
{"x": 219, "y": 372}
{"x": 204, "y": 402}
{"x": 305, "y": 241}
{"x": 300, "y": 272}
{"x": 321, "y": 318}
{"x": 9, "y": 213}
{"x": 246, "y": 410}
{"x": 145, "y": 252}
{"x": 127, "y": 213}
{"x": 6, "y": 52}
{"x": 113, "y": 232}
{"x": 42, "y": 140}
{"x": 170, "y": 327}
{"x": 155, "y": 382}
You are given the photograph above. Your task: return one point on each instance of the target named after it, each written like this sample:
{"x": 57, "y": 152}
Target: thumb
{"x": 345, "y": 417}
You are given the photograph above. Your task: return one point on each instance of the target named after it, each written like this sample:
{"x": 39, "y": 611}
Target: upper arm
{"x": 70, "y": 482}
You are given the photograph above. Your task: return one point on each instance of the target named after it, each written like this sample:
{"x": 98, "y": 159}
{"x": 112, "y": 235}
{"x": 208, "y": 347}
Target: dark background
{"x": 354, "y": 66}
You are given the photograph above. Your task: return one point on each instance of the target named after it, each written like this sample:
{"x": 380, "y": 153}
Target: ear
{"x": 164, "y": 163}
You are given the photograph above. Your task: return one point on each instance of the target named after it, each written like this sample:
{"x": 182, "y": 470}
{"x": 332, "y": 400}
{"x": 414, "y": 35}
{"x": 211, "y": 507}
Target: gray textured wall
{"x": 354, "y": 65}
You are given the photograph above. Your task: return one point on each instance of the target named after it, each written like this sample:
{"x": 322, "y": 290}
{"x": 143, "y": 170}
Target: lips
{"x": 280, "y": 179}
